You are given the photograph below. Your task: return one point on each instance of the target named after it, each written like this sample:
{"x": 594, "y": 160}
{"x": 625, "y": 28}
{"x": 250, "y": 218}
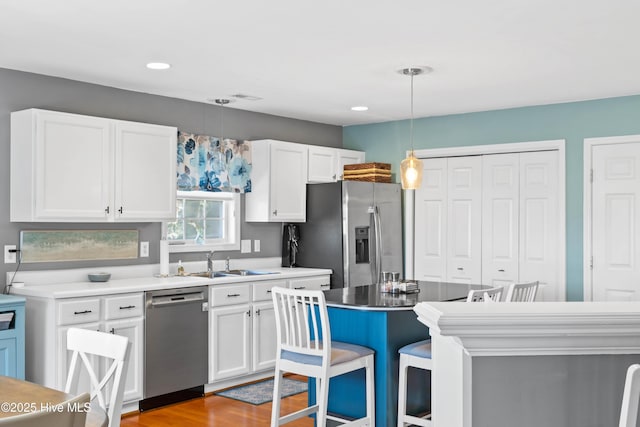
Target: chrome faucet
{"x": 210, "y": 262}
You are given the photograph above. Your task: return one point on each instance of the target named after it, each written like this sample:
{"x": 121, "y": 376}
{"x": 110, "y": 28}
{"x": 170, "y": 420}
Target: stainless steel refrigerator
{"x": 353, "y": 228}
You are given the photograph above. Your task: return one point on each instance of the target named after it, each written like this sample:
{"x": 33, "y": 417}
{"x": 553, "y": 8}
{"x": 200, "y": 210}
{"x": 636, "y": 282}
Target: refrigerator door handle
{"x": 378, "y": 243}
{"x": 373, "y": 245}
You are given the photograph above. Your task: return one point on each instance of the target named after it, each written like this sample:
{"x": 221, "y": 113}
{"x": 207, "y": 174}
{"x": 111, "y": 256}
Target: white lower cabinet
{"x": 49, "y": 319}
{"x": 242, "y": 332}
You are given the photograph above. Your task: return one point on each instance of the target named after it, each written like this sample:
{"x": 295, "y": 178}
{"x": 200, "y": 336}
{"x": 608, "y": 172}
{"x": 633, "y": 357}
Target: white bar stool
{"x": 415, "y": 355}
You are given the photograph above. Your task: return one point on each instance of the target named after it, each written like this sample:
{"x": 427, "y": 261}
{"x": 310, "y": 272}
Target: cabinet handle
{"x": 127, "y": 307}
{"x": 325, "y": 285}
{"x": 334, "y": 176}
{"x": 258, "y": 312}
{"x": 106, "y": 210}
{"x": 232, "y": 295}
{"x": 82, "y": 312}
{"x": 501, "y": 270}
{"x": 113, "y": 331}
{"x": 275, "y": 213}
{"x": 120, "y": 210}
{"x": 460, "y": 268}
{"x": 249, "y": 313}
{"x": 269, "y": 291}
{"x": 299, "y": 287}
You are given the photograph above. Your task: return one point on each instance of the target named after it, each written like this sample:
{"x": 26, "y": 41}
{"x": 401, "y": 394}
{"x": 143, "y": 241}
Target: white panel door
{"x": 539, "y": 223}
{"x": 500, "y": 213}
{"x": 322, "y": 164}
{"x": 464, "y": 234}
{"x": 230, "y": 342}
{"x": 288, "y": 185}
{"x": 264, "y": 342}
{"x": 615, "y": 220}
{"x": 431, "y": 222}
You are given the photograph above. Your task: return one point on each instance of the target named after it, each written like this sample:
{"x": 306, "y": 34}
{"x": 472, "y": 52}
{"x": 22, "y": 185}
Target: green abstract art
{"x": 77, "y": 245}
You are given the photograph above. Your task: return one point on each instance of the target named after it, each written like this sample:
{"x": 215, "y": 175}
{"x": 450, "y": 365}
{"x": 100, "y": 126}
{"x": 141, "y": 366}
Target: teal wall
{"x": 387, "y": 142}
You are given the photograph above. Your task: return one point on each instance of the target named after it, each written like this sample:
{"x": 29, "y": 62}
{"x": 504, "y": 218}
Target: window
{"x": 205, "y": 221}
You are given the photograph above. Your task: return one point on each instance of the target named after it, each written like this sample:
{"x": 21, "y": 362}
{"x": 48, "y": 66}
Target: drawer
{"x": 262, "y": 290}
{"x": 229, "y": 295}
{"x": 78, "y": 311}
{"x": 318, "y": 283}
{"x": 122, "y": 306}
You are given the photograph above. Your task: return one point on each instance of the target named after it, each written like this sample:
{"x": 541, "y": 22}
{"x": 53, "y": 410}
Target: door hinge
{"x": 591, "y": 263}
{"x": 591, "y": 175}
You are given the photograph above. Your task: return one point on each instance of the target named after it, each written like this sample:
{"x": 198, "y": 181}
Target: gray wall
{"x": 19, "y": 90}
{"x": 549, "y": 391}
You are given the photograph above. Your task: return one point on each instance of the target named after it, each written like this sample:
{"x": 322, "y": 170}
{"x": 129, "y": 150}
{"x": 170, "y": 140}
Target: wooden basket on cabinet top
{"x": 368, "y": 172}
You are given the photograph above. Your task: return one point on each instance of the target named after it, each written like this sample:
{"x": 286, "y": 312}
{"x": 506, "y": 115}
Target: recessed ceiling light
{"x": 359, "y": 108}
{"x": 158, "y": 66}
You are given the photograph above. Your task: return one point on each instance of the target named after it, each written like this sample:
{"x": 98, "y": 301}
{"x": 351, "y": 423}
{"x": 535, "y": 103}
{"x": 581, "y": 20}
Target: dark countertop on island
{"x": 368, "y": 297}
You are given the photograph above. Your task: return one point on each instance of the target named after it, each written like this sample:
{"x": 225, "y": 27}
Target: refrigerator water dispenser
{"x": 362, "y": 245}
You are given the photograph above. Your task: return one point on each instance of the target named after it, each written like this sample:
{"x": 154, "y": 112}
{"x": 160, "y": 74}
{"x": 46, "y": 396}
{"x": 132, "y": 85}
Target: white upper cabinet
{"x": 278, "y": 182}
{"x": 74, "y": 168}
{"x": 322, "y": 164}
{"x": 326, "y": 164}
{"x": 348, "y": 157}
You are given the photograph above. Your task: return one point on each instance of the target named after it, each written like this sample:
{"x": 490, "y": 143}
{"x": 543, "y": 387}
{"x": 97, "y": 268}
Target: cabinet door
{"x": 229, "y": 342}
{"x": 73, "y": 167}
{"x": 500, "y": 219}
{"x": 8, "y": 357}
{"x": 347, "y": 157}
{"x": 134, "y": 330}
{"x": 431, "y": 222}
{"x": 145, "y": 174}
{"x": 264, "y": 336}
{"x": 64, "y": 358}
{"x": 322, "y": 164}
{"x": 464, "y": 234}
{"x": 288, "y": 181}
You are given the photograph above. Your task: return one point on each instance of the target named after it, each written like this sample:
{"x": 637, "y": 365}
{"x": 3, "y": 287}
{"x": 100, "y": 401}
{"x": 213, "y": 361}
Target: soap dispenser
{"x": 180, "y": 268}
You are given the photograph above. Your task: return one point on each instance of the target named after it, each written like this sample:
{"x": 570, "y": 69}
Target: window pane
{"x": 193, "y": 231}
{"x": 214, "y": 209}
{"x": 193, "y": 208}
{"x": 180, "y": 208}
{"x": 175, "y": 230}
{"x": 214, "y": 229}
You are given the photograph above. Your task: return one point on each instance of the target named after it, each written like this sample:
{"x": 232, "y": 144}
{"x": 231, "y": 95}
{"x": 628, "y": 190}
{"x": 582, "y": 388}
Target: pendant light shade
{"x": 411, "y": 167}
{"x": 411, "y": 172}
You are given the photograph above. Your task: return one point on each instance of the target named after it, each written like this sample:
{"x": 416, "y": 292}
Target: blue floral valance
{"x": 206, "y": 163}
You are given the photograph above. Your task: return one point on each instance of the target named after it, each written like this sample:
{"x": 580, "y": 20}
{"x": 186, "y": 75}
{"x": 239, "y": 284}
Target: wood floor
{"x": 217, "y": 411}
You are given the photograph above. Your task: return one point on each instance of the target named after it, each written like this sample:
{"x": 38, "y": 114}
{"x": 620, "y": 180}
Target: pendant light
{"x": 411, "y": 167}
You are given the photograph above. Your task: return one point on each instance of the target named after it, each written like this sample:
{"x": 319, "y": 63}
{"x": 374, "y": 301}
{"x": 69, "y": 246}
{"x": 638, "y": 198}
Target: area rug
{"x": 262, "y": 392}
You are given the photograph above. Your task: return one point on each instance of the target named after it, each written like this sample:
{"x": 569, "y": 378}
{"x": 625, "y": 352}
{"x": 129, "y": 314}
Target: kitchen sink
{"x": 209, "y": 275}
{"x": 231, "y": 273}
{"x": 248, "y": 272}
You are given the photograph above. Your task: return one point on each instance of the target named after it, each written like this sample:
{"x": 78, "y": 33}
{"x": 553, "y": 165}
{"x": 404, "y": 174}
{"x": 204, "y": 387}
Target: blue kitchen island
{"x": 384, "y": 322}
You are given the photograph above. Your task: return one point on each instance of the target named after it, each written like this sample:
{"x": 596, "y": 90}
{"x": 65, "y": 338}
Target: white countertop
{"x": 149, "y": 283}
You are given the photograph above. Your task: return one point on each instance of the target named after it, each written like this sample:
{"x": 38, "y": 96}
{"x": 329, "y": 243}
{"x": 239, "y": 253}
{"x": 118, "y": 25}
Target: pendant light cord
{"x": 411, "y": 121}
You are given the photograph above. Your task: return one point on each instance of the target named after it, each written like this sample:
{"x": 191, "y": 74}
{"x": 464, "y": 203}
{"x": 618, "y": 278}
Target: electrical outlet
{"x": 9, "y": 257}
{"x": 144, "y": 249}
{"x": 256, "y": 245}
{"x": 245, "y": 246}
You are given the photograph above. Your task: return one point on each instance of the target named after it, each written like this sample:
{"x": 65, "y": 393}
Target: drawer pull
{"x": 325, "y": 286}
{"x": 501, "y": 270}
{"x": 269, "y": 291}
{"x": 460, "y": 269}
{"x": 232, "y": 295}
{"x": 299, "y": 287}
{"x": 83, "y": 312}
{"x": 128, "y": 307}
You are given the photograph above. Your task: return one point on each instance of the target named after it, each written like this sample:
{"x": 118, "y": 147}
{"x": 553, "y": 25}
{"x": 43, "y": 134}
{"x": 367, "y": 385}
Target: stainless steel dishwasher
{"x": 176, "y": 350}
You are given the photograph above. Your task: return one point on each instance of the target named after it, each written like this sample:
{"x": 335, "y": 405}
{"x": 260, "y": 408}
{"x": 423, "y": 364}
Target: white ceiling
{"x": 313, "y": 60}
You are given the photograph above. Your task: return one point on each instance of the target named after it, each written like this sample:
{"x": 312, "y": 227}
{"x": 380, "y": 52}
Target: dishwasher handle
{"x": 161, "y": 300}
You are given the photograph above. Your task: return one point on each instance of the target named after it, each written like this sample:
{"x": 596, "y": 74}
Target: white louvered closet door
{"x": 500, "y": 213}
{"x": 431, "y": 222}
{"x": 464, "y": 198}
